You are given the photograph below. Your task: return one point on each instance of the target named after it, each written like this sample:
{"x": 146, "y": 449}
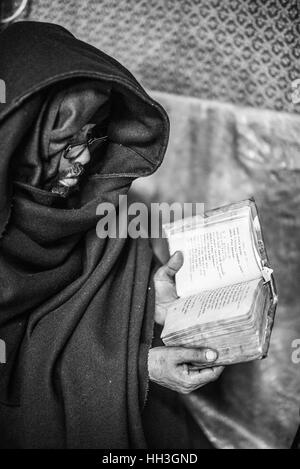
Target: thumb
{"x": 201, "y": 356}
{"x": 168, "y": 271}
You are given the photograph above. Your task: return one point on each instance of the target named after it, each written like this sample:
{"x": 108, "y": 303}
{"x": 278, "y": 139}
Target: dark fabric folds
{"x": 76, "y": 311}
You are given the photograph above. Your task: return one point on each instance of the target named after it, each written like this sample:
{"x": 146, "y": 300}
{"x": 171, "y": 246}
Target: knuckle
{"x": 200, "y": 356}
{"x": 185, "y": 391}
{"x": 183, "y": 384}
{"x": 188, "y": 387}
{"x": 183, "y": 387}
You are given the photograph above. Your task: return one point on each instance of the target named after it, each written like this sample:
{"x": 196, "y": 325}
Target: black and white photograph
{"x": 149, "y": 228}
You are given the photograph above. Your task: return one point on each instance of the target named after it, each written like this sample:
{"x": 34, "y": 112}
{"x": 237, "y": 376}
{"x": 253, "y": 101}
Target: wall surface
{"x": 240, "y": 51}
{"x": 218, "y": 154}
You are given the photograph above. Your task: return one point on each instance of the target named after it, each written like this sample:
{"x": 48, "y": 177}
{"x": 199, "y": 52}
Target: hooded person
{"x": 76, "y": 310}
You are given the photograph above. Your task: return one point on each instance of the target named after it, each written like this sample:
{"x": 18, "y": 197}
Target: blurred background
{"x": 225, "y": 70}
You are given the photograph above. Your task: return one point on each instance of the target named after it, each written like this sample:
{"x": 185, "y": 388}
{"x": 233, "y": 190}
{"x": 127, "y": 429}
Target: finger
{"x": 205, "y": 376}
{"x": 202, "y": 356}
{"x": 218, "y": 370}
{"x": 192, "y": 380}
{"x": 214, "y": 371}
{"x": 168, "y": 271}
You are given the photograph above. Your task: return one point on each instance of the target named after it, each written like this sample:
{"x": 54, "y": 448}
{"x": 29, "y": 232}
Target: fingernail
{"x": 178, "y": 253}
{"x": 211, "y": 355}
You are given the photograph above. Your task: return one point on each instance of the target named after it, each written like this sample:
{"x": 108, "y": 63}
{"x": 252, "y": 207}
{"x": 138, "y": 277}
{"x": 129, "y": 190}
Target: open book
{"x": 227, "y": 295}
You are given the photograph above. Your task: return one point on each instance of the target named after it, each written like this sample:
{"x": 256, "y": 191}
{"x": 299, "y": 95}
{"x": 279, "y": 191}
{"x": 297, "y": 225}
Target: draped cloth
{"x": 76, "y": 311}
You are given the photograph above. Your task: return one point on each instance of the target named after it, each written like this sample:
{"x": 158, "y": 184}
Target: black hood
{"x": 37, "y": 59}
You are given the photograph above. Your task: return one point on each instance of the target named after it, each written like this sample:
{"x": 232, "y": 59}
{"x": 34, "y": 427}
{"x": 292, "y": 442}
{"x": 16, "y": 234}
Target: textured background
{"x": 221, "y": 153}
{"x": 240, "y": 51}
{"x": 205, "y": 54}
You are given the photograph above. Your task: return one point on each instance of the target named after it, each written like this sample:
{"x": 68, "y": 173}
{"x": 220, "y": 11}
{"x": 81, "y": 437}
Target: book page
{"x": 216, "y": 255}
{"x": 222, "y": 304}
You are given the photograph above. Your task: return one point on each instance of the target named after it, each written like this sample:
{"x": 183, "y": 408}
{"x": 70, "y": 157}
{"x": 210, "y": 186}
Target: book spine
{"x": 271, "y": 316}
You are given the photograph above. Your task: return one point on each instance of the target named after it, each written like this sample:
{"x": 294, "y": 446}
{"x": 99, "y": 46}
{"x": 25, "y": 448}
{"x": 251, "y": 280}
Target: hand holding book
{"x": 178, "y": 368}
{"x": 226, "y": 288}
{"x": 181, "y": 369}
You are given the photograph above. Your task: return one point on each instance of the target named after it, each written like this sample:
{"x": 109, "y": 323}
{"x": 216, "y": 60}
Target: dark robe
{"x": 76, "y": 311}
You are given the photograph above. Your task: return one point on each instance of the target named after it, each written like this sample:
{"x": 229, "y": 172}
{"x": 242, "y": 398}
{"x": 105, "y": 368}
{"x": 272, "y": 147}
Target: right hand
{"x": 181, "y": 369}
{"x": 165, "y": 289}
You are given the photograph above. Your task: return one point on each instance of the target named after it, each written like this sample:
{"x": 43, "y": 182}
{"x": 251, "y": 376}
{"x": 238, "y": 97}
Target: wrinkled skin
{"x": 178, "y": 368}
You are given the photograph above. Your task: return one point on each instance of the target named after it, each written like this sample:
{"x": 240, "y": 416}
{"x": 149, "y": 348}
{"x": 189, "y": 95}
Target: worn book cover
{"x": 226, "y": 288}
